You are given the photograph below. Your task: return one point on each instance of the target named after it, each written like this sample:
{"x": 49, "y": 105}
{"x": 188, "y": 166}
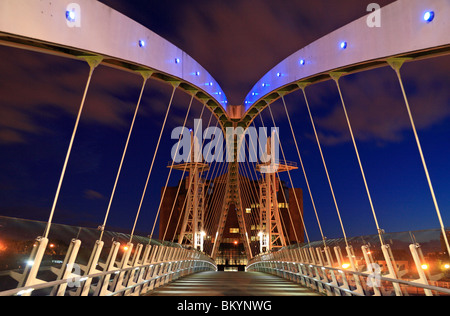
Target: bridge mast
{"x": 192, "y": 229}
{"x": 271, "y": 235}
{"x": 232, "y": 197}
{"x": 233, "y": 192}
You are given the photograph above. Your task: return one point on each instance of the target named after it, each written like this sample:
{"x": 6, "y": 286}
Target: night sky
{"x": 237, "y": 41}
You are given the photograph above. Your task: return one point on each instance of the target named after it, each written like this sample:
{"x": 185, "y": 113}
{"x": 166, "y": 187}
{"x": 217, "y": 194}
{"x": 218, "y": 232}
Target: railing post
{"x": 371, "y": 270}
{"x": 390, "y": 263}
{"x": 331, "y": 264}
{"x": 418, "y": 258}
{"x": 133, "y": 278}
{"x": 119, "y": 278}
{"x": 102, "y": 287}
{"x": 339, "y": 258}
{"x": 67, "y": 267}
{"x": 29, "y": 276}
{"x": 354, "y": 267}
{"x": 91, "y": 268}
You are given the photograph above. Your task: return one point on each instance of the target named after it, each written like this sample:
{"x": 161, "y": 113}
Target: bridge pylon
{"x": 271, "y": 235}
{"x": 192, "y": 229}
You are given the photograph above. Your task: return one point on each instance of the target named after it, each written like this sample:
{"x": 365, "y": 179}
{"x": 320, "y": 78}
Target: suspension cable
{"x": 208, "y": 219}
{"x": 184, "y": 124}
{"x": 145, "y": 75}
{"x": 284, "y": 195}
{"x": 218, "y": 192}
{"x": 336, "y": 77}
{"x": 396, "y": 64}
{"x": 175, "y": 86}
{"x": 303, "y": 168}
{"x": 181, "y": 182}
{"x": 325, "y": 165}
{"x": 93, "y": 63}
{"x": 248, "y": 192}
{"x": 171, "y": 168}
{"x": 289, "y": 174}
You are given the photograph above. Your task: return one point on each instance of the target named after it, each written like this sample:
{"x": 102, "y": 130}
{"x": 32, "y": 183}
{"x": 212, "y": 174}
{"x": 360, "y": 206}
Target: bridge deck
{"x": 232, "y": 284}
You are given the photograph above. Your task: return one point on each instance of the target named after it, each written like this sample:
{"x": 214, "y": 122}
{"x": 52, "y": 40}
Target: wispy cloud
{"x": 376, "y": 106}
{"x": 93, "y": 195}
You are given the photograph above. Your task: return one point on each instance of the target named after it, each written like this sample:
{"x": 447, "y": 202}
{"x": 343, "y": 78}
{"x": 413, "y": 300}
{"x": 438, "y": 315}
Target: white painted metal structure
{"x": 90, "y": 31}
{"x": 137, "y": 273}
{"x": 192, "y": 229}
{"x": 98, "y": 30}
{"x": 271, "y": 236}
{"x": 316, "y": 269}
{"x": 404, "y": 34}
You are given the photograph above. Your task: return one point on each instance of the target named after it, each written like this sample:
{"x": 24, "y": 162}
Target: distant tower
{"x": 271, "y": 235}
{"x": 192, "y": 229}
{"x": 232, "y": 197}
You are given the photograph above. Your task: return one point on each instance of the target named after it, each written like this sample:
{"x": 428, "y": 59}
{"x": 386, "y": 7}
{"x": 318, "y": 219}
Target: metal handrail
{"x": 53, "y": 284}
{"x": 341, "y": 272}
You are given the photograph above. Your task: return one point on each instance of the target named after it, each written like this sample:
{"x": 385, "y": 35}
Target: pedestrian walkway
{"x": 232, "y": 284}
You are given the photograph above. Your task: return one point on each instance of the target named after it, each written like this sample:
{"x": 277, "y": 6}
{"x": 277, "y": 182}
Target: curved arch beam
{"x": 403, "y": 33}
{"x": 95, "y": 29}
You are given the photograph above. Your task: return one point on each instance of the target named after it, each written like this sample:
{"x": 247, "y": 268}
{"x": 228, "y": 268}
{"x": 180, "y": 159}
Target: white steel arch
{"x": 90, "y": 28}
{"x": 403, "y": 33}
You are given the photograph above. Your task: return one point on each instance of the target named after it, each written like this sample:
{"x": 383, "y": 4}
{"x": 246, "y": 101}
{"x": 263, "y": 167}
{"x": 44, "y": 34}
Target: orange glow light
{"x": 424, "y": 266}
{"x": 235, "y": 242}
{"x": 346, "y": 266}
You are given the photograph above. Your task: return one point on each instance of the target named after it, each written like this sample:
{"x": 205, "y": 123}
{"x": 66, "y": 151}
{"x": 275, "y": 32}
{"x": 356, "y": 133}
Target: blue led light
{"x": 70, "y": 15}
{"x": 279, "y": 74}
{"x": 343, "y": 45}
{"x": 428, "y": 16}
{"x": 302, "y": 62}
{"x": 177, "y": 60}
{"x": 141, "y": 43}
{"x": 197, "y": 73}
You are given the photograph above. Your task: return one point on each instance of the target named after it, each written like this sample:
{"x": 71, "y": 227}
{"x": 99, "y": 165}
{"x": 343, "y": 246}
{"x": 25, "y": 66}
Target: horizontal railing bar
{"x": 152, "y": 279}
{"x": 404, "y": 282}
{"x": 96, "y": 275}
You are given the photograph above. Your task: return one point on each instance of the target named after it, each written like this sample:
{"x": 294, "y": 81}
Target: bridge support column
{"x": 67, "y": 267}
{"x": 192, "y": 229}
{"x": 421, "y": 266}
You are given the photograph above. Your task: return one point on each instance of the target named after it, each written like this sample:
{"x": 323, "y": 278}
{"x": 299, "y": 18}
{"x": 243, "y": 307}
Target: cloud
{"x": 239, "y": 41}
{"x": 376, "y": 107}
{"x": 41, "y": 88}
{"x": 93, "y": 195}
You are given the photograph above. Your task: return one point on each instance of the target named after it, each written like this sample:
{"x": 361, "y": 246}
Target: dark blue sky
{"x": 237, "y": 42}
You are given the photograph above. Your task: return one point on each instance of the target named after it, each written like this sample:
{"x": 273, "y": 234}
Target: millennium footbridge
{"x": 275, "y": 244}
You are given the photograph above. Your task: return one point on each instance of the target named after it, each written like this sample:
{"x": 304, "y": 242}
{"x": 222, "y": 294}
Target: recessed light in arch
{"x": 428, "y": 16}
